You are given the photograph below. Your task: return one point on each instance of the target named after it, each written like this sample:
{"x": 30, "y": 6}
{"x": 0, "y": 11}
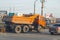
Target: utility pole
{"x": 42, "y": 7}
{"x": 34, "y": 6}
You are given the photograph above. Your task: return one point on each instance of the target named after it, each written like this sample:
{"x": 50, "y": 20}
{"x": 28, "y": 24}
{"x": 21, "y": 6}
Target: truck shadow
{"x": 41, "y": 33}
{"x": 36, "y": 33}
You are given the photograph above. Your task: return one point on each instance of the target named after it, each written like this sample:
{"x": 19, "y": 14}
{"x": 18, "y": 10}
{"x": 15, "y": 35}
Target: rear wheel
{"x": 25, "y": 28}
{"x": 17, "y": 29}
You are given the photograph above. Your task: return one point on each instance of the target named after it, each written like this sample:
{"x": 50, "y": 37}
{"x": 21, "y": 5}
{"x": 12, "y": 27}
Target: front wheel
{"x": 39, "y": 29}
{"x": 51, "y": 33}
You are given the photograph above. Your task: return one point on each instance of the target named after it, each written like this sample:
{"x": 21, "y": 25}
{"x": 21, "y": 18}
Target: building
{"x": 2, "y": 13}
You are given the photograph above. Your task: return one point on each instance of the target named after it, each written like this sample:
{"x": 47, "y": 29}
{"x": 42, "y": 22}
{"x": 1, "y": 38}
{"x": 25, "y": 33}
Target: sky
{"x": 27, "y": 6}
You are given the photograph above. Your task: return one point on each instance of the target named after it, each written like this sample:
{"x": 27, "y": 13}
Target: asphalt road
{"x": 29, "y": 36}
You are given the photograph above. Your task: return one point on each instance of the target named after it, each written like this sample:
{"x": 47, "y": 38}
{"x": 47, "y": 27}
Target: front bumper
{"x": 52, "y": 30}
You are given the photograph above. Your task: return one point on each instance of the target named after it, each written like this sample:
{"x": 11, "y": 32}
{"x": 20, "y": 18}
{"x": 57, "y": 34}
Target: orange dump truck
{"x": 24, "y": 23}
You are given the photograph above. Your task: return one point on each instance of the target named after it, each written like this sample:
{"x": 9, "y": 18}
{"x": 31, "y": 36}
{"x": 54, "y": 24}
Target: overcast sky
{"x": 26, "y": 6}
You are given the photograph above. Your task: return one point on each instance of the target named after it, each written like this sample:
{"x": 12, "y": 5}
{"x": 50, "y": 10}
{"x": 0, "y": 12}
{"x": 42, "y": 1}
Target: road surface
{"x": 29, "y": 36}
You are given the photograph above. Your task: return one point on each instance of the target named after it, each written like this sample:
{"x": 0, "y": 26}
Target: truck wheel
{"x": 39, "y": 29}
{"x": 25, "y": 28}
{"x": 51, "y": 33}
{"x": 17, "y": 29}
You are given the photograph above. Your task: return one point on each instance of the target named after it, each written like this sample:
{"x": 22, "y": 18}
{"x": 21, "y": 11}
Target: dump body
{"x": 24, "y": 19}
{"x": 29, "y": 19}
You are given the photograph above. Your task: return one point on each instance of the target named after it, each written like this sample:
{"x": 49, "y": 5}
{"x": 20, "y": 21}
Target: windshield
{"x": 56, "y": 25}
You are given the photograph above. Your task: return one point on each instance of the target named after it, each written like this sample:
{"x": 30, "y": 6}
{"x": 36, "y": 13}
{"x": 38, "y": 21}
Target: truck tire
{"x": 39, "y": 29}
{"x": 17, "y": 29}
{"x": 25, "y": 28}
{"x": 51, "y": 33}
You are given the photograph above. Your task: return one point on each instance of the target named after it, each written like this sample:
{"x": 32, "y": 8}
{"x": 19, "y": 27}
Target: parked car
{"x": 54, "y": 28}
